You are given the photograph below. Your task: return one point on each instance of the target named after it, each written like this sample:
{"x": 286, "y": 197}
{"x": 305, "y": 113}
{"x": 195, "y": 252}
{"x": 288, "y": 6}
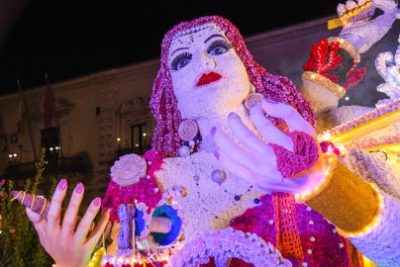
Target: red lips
{"x": 207, "y": 78}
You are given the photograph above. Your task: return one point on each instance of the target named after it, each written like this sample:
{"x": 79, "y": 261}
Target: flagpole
{"x": 26, "y": 115}
{"x": 50, "y": 111}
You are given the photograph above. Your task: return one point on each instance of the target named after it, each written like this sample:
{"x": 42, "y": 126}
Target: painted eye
{"x": 219, "y": 47}
{"x": 181, "y": 61}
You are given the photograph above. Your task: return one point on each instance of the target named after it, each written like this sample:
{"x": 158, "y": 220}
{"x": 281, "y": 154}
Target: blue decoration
{"x": 140, "y": 223}
{"x": 169, "y": 212}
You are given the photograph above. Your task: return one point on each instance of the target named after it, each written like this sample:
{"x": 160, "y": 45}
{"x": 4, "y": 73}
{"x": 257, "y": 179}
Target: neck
{"x": 221, "y": 121}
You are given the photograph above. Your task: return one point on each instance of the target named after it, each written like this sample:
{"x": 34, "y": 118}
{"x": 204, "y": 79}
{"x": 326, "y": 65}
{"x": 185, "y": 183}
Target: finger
{"x": 33, "y": 216}
{"x": 234, "y": 167}
{"x": 226, "y": 146}
{"x": 37, "y": 221}
{"x": 69, "y": 221}
{"x": 99, "y": 230}
{"x": 288, "y": 113}
{"x": 53, "y": 216}
{"x": 268, "y": 130}
{"x": 246, "y": 137}
{"x": 87, "y": 220}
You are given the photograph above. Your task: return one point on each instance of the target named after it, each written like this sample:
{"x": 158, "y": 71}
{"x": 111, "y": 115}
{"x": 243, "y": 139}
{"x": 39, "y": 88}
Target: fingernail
{"x": 213, "y": 130}
{"x": 268, "y": 100}
{"x": 216, "y": 154}
{"x": 62, "y": 184}
{"x": 97, "y": 201}
{"x": 79, "y": 188}
{"x": 232, "y": 115}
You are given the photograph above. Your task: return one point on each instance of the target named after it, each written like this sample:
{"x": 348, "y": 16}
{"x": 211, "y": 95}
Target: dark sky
{"x": 73, "y": 38}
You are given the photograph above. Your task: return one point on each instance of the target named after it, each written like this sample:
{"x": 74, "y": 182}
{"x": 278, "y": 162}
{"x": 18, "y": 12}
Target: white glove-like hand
{"x": 365, "y": 33}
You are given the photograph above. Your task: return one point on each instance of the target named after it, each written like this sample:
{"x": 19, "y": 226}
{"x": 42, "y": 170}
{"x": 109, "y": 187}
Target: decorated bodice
{"x": 210, "y": 203}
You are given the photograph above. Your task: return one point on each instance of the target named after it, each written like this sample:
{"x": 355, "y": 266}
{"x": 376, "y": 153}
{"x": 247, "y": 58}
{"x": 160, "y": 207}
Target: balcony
{"x": 55, "y": 167}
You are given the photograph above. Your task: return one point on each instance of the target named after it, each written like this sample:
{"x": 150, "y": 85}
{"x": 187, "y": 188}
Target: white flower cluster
{"x": 226, "y": 244}
{"x": 128, "y": 169}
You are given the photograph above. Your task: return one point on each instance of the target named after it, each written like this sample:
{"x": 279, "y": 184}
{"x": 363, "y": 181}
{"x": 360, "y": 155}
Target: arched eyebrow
{"x": 178, "y": 49}
{"x": 213, "y": 36}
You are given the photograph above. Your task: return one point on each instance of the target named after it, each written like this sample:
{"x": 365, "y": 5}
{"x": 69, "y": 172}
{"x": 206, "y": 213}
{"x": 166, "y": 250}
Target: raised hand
{"x": 68, "y": 242}
{"x": 363, "y": 32}
{"x": 253, "y": 158}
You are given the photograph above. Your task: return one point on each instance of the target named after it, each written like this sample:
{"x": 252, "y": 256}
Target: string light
{"x": 325, "y": 82}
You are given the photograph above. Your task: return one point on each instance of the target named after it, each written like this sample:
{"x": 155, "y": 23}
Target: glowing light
{"x": 51, "y": 148}
{"x": 15, "y": 155}
{"x": 118, "y": 139}
{"x": 144, "y": 134}
{"x": 347, "y": 98}
{"x": 10, "y": 156}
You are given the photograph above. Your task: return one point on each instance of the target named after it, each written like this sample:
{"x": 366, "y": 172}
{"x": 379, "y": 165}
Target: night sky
{"x": 67, "y": 39}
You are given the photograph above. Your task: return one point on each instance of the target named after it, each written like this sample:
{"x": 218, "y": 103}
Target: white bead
{"x": 149, "y": 162}
{"x": 309, "y": 251}
{"x": 312, "y": 239}
{"x": 191, "y": 143}
{"x": 156, "y": 190}
{"x": 218, "y": 176}
{"x": 148, "y": 176}
{"x": 305, "y": 264}
{"x": 341, "y": 245}
{"x": 271, "y": 222}
{"x": 184, "y": 151}
{"x": 334, "y": 230}
{"x": 311, "y": 222}
{"x": 308, "y": 209}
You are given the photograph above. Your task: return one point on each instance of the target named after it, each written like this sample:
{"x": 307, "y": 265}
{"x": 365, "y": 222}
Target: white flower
{"x": 128, "y": 169}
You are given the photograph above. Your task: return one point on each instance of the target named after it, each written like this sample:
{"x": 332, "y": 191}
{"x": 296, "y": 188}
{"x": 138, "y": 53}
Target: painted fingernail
{"x": 213, "y": 130}
{"x": 216, "y": 154}
{"x": 268, "y": 100}
{"x": 62, "y": 184}
{"x": 79, "y": 188}
{"x": 97, "y": 201}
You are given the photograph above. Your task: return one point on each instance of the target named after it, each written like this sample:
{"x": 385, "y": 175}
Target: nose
{"x": 207, "y": 61}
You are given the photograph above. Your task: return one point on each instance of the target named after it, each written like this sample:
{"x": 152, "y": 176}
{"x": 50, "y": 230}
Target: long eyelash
{"x": 178, "y": 58}
{"x": 217, "y": 43}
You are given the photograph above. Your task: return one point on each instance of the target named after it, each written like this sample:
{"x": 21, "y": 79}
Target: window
{"x": 140, "y": 139}
{"x": 50, "y": 141}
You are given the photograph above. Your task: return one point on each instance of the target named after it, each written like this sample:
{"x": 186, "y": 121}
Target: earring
{"x": 188, "y": 132}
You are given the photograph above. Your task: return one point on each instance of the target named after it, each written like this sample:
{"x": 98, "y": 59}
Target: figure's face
{"x": 208, "y": 76}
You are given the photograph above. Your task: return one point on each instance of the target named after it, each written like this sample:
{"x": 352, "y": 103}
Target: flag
{"x": 48, "y": 104}
{"x": 22, "y": 109}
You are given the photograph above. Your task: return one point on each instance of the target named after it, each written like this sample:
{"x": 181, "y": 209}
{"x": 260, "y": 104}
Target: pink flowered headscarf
{"x": 164, "y": 104}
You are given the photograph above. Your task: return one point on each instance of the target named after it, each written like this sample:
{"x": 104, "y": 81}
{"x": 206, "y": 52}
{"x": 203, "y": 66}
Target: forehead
{"x": 195, "y": 34}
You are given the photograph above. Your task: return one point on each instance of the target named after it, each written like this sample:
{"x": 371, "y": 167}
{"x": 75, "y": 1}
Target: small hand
{"x": 68, "y": 243}
{"x": 365, "y": 33}
{"x": 253, "y": 158}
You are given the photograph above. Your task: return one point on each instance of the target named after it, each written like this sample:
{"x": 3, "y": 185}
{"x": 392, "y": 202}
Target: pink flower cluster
{"x": 303, "y": 157}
